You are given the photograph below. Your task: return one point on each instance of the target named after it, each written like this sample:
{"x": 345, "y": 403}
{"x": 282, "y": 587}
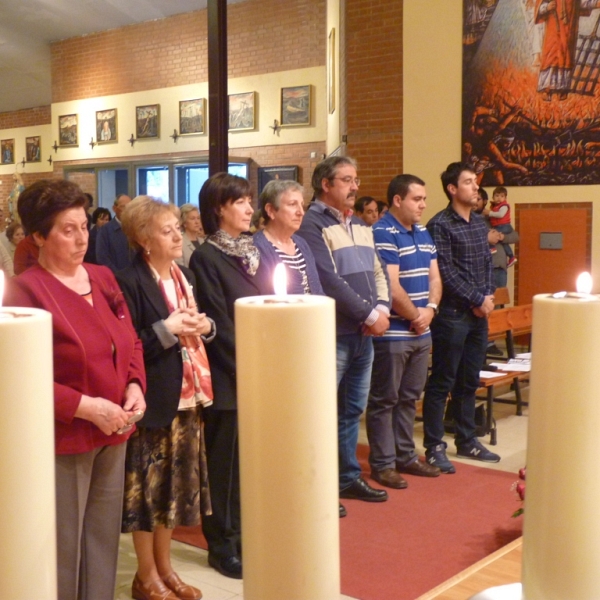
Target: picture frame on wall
{"x": 33, "y": 148}
{"x": 106, "y": 126}
{"x": 192, "y": 116}
{"x": 68, "y": 131}
{"x": 7, "y": 149}
{"x": 242, "y": 111}
{"x": 285, "y": 173}
{"x": 147, "y": 121}
{"x": 295, "y": 106}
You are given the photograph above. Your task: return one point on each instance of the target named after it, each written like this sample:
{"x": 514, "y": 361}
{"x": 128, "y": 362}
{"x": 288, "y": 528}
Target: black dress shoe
{"x": 361, "y": 490}
{"x": 343, "y": 512}
{"x": 230, "y": 566}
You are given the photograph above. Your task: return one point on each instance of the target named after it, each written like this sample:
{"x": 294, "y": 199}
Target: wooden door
{"x": 551, "y": 270}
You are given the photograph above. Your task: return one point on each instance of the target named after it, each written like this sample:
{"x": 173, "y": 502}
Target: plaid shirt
{"x": 464, "y": 258}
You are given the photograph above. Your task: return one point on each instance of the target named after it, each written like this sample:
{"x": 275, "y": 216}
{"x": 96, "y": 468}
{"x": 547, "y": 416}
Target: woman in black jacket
{"x": 227, "y": 267}
{"x": 166, "y": 482}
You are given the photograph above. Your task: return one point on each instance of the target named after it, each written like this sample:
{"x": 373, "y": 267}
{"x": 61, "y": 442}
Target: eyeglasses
{"x": 348, "y": 180}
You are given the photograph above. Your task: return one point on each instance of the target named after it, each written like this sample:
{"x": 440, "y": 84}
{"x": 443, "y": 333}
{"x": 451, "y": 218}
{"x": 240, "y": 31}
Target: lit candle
{"x": 286, "y": 373}
{"x": 561, "y": 547}
{"x": 27, "y": 490}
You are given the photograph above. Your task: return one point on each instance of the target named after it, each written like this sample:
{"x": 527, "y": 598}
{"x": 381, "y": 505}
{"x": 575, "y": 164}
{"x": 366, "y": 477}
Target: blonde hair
{"x": 137, "y": 220}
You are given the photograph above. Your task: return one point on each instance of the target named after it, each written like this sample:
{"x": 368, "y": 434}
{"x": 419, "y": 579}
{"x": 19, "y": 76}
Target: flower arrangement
{"x": 519, "y": 487}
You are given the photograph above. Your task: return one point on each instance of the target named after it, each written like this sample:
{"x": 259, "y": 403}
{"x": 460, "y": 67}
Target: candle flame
{"x": 280, "y": 280}
{"x": 584, "y": 283}
{"x": 1, "y": 287}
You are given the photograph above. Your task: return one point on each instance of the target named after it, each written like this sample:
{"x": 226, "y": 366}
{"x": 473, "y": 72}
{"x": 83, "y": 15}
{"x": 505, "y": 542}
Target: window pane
{"x": 153, "y": 181}
{"x": 190, "y": 178}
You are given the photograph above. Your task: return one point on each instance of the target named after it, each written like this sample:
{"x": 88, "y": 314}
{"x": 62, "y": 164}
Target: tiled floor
{"x": 191, "y": 563}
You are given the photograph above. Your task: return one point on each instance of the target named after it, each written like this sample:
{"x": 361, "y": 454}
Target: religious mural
{"x": 531, "y": 99}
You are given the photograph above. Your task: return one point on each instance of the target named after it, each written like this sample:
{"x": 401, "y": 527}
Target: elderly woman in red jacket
{"x": 99, "y": 380}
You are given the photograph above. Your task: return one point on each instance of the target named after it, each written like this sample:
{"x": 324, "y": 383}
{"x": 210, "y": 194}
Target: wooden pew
{"x": 503, "y": 323}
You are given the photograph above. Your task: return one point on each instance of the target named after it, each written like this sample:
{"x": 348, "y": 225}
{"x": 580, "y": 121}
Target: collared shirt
{"x": 412, "y": 250}
{"x": 464, "y": 258}
{"x": 345, "y": 218}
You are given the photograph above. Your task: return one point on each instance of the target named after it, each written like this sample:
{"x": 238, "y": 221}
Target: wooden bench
{"x": 503, "y": 323}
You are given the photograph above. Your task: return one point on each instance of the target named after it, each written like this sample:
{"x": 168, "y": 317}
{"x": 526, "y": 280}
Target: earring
{"x": 147, "y": 252}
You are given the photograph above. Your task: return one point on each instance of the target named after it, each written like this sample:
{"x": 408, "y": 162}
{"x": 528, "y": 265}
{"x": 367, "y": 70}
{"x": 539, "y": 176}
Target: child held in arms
{"x": 500, "y": 219}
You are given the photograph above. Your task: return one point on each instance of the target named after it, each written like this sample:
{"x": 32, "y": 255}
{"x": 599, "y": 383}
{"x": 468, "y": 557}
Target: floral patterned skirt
{"x": 165, "y": 475}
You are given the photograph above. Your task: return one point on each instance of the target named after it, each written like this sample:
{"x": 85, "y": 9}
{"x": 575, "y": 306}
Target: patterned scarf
{"x": 196, "y": 387}
{"x": 242, "y": 248}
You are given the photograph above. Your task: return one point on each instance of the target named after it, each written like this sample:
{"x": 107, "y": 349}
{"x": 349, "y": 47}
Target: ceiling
{"x": 28, "y": 27}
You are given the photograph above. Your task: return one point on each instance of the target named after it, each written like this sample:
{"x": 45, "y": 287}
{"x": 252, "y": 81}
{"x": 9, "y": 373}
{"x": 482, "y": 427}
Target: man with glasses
{"x": 352, "y": 273}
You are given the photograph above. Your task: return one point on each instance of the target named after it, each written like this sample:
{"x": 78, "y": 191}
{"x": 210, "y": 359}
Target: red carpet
{"x": 421, "y": 536}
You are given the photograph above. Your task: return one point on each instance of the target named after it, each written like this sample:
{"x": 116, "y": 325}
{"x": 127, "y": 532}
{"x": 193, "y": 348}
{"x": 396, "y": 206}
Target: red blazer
{"x": 83, "y": 340}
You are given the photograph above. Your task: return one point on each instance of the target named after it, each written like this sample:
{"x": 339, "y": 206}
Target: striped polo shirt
{"x": 412, "y": 250}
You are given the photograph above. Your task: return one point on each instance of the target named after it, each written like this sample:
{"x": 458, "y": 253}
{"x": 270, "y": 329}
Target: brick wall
{"x": 26, "y": 117}
{"x": 265, "y": 36}
{"x": 373, "y": 57}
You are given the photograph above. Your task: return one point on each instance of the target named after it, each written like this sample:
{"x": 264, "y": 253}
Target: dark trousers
{"x": 223, "y": 529}
{"x": 459, "y": 345}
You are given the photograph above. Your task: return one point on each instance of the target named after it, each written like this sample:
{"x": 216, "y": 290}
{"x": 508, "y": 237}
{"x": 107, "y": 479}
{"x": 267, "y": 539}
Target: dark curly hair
{"x": 42, "y": 201}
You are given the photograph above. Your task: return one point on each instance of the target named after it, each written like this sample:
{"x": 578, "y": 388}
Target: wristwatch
{"x": 435, "y": 307}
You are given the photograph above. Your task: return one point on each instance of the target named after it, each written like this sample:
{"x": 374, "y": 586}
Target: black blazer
{"x": 164, "y": 369}
{"x": 221, "y": 281}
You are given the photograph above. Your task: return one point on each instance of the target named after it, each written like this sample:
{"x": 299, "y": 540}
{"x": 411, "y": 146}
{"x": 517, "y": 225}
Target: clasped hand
{"x": 187, "y": 321}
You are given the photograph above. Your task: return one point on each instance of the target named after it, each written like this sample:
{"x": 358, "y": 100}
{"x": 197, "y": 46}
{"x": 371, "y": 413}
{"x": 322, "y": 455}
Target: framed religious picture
{"x": 192, "y": 114}
{"x": 7, "y": 148}
{"x": 106, "y": 126}
{"x": 33, "y": 148}
{"x": 241, "y": 111}
{"x": 147, "y": 121}
{"x": 266, "y": 174}
{"x": 295, "y": 106}
{"x": 67, "y": 131}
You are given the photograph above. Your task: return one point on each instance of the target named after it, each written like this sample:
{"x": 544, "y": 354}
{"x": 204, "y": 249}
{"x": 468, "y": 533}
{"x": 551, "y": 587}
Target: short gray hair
{"x": 327, "y": 169}
{"x": 272, "y": 193}
{"x": 185, "y": 210}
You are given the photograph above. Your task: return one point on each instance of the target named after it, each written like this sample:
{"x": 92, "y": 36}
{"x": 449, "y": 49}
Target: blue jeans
{"x": 354, "y": 355}
{"x": 459, "y": 345}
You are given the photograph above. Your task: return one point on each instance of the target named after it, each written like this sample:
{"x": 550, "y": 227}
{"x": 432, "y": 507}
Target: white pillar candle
{"x": 27, "y": 490}
{"x": 287, "y": 408}
{"x": 561, "y": 548}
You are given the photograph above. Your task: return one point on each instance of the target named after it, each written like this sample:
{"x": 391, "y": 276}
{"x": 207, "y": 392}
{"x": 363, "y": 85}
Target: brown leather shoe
{"x": 422, "y": 469}
{"x": 155, "y": 590}
{"x": 390, "y": 478}
{"x": 183, "y": 590}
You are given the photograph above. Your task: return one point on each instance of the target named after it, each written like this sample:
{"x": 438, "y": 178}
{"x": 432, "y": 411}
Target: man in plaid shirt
{"x": 459, "y": 331}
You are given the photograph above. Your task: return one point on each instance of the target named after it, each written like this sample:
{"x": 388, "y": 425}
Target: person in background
{"x": 282, "y": 207}
{"x": 382, "y": 208}
{"x": 14, "y": 235}
{"x": 366, "y": 209}
{"x": 165, "y": 470}
{"x": 193, "y": 234}
{"x": 112, "y": 249}
{"x": 6, "y": 262}
{"x": 26, "y": 254}
{"x": 98, "y": 385}
{"x": 227, "y": 267}
{"x": 100, "y": 217}
{"x": 500, "y": 219}
{"x": 257, "y": 223}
